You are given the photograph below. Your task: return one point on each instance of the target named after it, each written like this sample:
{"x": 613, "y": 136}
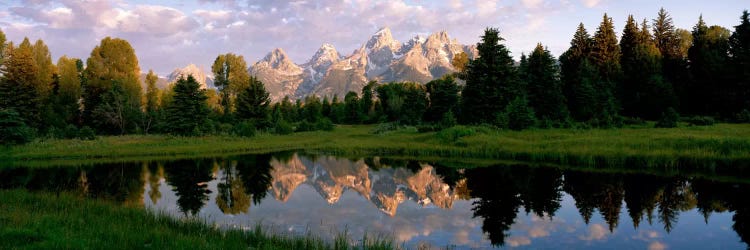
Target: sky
{"x": 167, "y": 34}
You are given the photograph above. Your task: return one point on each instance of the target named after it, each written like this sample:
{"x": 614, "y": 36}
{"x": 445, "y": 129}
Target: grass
{"x": 721, "y": 145}
{"x": 64, "y": 221}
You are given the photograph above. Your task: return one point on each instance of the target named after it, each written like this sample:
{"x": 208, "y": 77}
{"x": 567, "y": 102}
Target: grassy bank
{"x": 685, "y": 147}
{"x": 49, "y": 221}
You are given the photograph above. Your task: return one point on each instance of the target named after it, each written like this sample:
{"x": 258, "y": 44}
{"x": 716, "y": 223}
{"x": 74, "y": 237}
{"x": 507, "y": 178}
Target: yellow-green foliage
{"x": 684, "y": 147}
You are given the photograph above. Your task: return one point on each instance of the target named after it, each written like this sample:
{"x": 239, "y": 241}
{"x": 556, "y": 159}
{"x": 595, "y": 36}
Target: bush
{"x": 225, "y": 128}
{"x": 70, "y": 132}
{"x": 282, "y": 127}
{"x": 12, "y": 128}
{"x": 244, "y": 129}
{"x": 668, "y": 119}
{"x": 520, "y": 116}
{"x": 700, "y": 121}
{"x": 324, "y": 124}
{"x": 428, "y": 128}
{"x": 386, "y": 127}
{"x": 454, "y": 133}
{"x": 86, "y": 133}
{"x": 744, "y": 116}
{"x": 448, "y": 120}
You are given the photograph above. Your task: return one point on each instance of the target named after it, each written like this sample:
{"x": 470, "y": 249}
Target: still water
{"x": 421, "y": 203}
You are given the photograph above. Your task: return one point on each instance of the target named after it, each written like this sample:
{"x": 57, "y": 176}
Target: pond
{"x": 420, "y": 204}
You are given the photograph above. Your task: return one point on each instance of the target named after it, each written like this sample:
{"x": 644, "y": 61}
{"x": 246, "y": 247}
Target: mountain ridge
{"x": 381, "y": 58}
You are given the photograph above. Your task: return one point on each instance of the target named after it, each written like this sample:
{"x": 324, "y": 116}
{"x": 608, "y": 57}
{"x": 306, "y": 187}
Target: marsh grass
{"x": 687, "y": 147}
{"x": 65, "y": 221}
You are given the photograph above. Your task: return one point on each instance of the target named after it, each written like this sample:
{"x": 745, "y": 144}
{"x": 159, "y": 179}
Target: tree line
{"x": 653, "y": 72}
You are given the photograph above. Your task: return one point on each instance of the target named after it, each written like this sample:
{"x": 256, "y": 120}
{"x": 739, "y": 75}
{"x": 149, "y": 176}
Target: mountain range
{"x": 385, "y": 188}
{"x": 328, "y": 73}
{"x": 380, "y": 58}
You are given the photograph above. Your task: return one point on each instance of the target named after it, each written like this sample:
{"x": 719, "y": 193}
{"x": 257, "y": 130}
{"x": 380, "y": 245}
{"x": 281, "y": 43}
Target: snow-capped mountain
{"x": 380, "y": 58}
{"x": 197, "y": 73}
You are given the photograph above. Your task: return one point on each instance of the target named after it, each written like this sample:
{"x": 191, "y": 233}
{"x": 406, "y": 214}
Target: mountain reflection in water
{"x": 421, "y": 202}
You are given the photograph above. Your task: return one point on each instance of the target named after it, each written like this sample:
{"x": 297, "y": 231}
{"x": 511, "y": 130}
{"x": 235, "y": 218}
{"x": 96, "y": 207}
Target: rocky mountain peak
{"x": 277, "y": 58}
{"x": 325, "y": 56}
{"x": 190, "y": 69}
{"x": 382, "y": 38}
{"x": 437, "y": 39}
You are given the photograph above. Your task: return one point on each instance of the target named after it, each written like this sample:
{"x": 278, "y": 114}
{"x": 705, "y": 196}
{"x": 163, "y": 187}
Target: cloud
{"x": 595, "y": 232}
{"x": 532, "y": 3}
{"x": 591, "y": 3}
{"x": 657, "y": 246}
{"x": 517, "y": 241}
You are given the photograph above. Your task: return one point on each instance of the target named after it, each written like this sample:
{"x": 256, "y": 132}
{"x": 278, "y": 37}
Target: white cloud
{"x": 595, "y": 232}
{"x": 532, "y": 3}
{"x": 591, "y": 3}
{"x": 657, "y": 246}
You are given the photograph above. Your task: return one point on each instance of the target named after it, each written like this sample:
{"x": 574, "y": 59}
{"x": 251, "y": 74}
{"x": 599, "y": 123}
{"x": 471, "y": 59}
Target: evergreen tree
{"x": 543, "y": 85}
{"x": 519, "y": 115}
{"x": 352, "y": 108}
{"x": 443, "y": 98}
{"x": 739, "y": 50}
{"x": 187, "y": 111}
{"x": 117, "y": 113}
{"x": 605, "y": 55}
{"x": 367, "y": 101}
{"x": 708, "y": 63}
{"x": 252, "y": 103}
{"x": 491, "y": 82}
{"x": 578, "y": 80}
{"x": 312, "y": 111}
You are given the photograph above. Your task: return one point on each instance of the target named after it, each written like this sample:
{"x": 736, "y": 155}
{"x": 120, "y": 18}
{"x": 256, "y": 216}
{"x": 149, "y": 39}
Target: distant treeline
{"x": 654, "y": 72}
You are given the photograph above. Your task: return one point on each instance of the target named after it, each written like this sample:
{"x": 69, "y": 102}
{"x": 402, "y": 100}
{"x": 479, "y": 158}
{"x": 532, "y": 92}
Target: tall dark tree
{"x": 188, "y": 109}
{"x": 643, "y": 91}
{"x": 491, "y": 82}
{"x": 739, "y": 50}
{"x": 352, "y": 109}
{"x": 443, "y": 95}
{"x": 579, "y": 76}
{"x": 253, "y": 101}
{"x": 189, "y": 179}
{"x": 605, "y": 55}
{"x": 368, "y": 101}
{"x": 708, "y": 63}
{"x": 543, "y": 84}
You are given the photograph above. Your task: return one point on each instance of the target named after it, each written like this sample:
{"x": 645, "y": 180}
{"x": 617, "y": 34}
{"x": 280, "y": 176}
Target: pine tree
{"x": 739, "y": 49}
{"x": 252, "y": 103}
{"x": 543, "y": 86}
{"x": 443, "y": 98}
{"x": 605, "y": 55}
{"x": 708, "y": 63}
{"x": 491, "y": 81}
{"x": 68, "y": 89}
{"x": 187, "y": 111}
{"x": 571, "y": 69}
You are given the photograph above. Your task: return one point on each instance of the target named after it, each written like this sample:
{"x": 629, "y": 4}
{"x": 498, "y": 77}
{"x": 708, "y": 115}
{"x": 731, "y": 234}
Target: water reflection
{"x": 417, "y": 202}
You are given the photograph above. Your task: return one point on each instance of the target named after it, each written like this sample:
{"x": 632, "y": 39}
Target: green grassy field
{"x": 684, "y": 147}
{"x": 64, "y": 221}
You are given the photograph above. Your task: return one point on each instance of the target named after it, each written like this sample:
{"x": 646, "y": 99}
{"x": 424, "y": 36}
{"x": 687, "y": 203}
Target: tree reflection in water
{"x": 498, "y": 193}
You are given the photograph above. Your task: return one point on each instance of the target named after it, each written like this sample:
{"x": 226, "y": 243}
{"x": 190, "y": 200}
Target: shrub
{"x": 454, "y": 133}
{"x": 324, "y": 124}
{"x": 70, "y": 132}
{"x": 12, "y": 128}
{"x": 244, "y": 129}
{"x": 744, "y": 116}
{"x": 520, "y": 115}
{"x": 86, "y": 133}
{"x": 282, "y": 127}
{"x": 383, "y": 128}
{"x": 448, "y": 120}
{"x": 700, "y": 121}
{"x": 668, "y": 119}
